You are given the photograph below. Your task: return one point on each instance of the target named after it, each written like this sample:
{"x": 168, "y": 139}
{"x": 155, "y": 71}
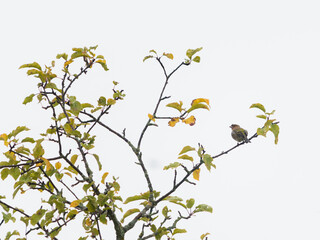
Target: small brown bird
{"x": 239, "y": 134}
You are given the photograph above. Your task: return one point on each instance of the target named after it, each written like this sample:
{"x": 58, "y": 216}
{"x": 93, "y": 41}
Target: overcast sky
{"x": 253, "y": 51}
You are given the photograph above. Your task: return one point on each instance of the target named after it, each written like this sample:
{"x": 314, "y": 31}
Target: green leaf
{"x": 178, "y": 230}
{"x": 165, "y": 211}
{"x": 147, "y": 57}
{"x": 259, "y": 106}
{"x": 190, "y": 203}
{"x": 191, "y": 52}
{"x": 274, "y": 128}
{"x": 102, "y": 101}
{"x": 196, "y": 59}
{"x": 98, "y": 161}
{"x": 203, "y": 208}
{"x": 76, "y": 108}
{"x": 86, "y": 105}
{"x": 18, "y": 130}
{"x": 261, "y": 116}
{"x": 103, "y": 64}
{"x": 102, "y": 199}
{"x": 62, "y": 55}
{"x": 31, "y": 65}
{"x": 35, "y": 218}
{"x": 15, "y": 173}
{"x": 28, "y": 139}
{"x": 186, "y": 149}
{"x": 28, "y": 99}
{"x": 207, "y": 159}
{"x": 172, "y": 165}
{"x": 186, "y": 157}
{"x": 128, "y": 213}
{"x": 103, "y": 218}
{"x": 38, "y": 150}
{"x": 9, "y": 234}
{"x": 4, "y": 173}
{"x": 175, "y": 105}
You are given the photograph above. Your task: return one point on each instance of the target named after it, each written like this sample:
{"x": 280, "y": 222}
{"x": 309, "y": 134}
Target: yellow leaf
{"x": 199, "y": 100}
{"x": 75, "y": 203}
{"x": 58, "y": 165}
{"x": 173, "y": 121}
{"x": 196, "y": 174}
{"x": 48, "y": 165}
{"x": 67, "y": 63}
{"x": 69, "y": 174}
{"x": 101, "y": 61}
{"x": 4, "y": 137}
{"x": 151, "y": 117}
{"x": 168, "y": 55}
{"x": 74, "y": 159}
{"x": 104, "y": 177}
{"x": 190, "y": 120}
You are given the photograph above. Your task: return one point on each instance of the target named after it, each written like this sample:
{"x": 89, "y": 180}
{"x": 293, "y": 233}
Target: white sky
{"x": 253, "y": 51}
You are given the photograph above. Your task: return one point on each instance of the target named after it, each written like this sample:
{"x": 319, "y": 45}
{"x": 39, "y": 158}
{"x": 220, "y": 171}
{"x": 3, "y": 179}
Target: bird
{"x": 239, "y": 134}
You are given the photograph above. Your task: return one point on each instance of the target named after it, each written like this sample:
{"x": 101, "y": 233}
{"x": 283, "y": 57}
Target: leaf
{"x": 104, "y": 177}
{"x": 259, "y": 106}
{"x": 274, "y": 128}
{"x": 191, "y": 52}
{"x": 204, "y": 235}
{"x": 176, "y": 105}
{"x": 186, "y": 157}
{"x": 38, "y": 150}
{"x": 196, "y": 59}
{"x": 186, "y": 149}
{"x": 178, "y": 230}
{"x": 102, "y": 101}
{"x": 31, "y": 65}
{"x": 57, "y": 165}
{"x": 168, "y": 55}
{"x": 62, "y": 55}
{"x": 197, "y": 106}
{"x": 72, "y": 213}
{"x": 18, "y": 130}
{"x": 98, "y": 161}
{"x": 203, "y": 208}
{"x": 200, "y": 100}
{"x": 147, "y": 57}
{"x": 190, "y": 203}
{"x": 261, "y": 116}
{"x": 74, "y": 159}
{"x": 111, "y": 101}
{"x": 173, "y": 121}
{"x": 28, "y": 99}
{"x": 165, "y": 211}
{"x": 28, "y": 139}
{"x": 207, "y": 159}
{"x": 86, "y": 105}
{"x": 35, "y": 218}
{"x": 151, "y": 117}
{"x": 76, "y": 108}
{"x": 196, "y": 174}
{"x": 4, "y": 137}
{"x": 190, "y": 120}
{"x": 75, "y": 203}
{"x": 128, "y": 213}
{"x": 46, "y": 161}
{"x": 153, "y": 51}
{"x": 172, "y": 165}
{"x": 103, "y": 64}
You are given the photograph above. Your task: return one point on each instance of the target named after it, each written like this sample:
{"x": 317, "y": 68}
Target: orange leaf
{"x": 168, "y": 55}
{"x": 190, "y": 120}
{"x": 173, "y": 121}
{"x": 75, "y": 203}
{"x": 196, "y": 174}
